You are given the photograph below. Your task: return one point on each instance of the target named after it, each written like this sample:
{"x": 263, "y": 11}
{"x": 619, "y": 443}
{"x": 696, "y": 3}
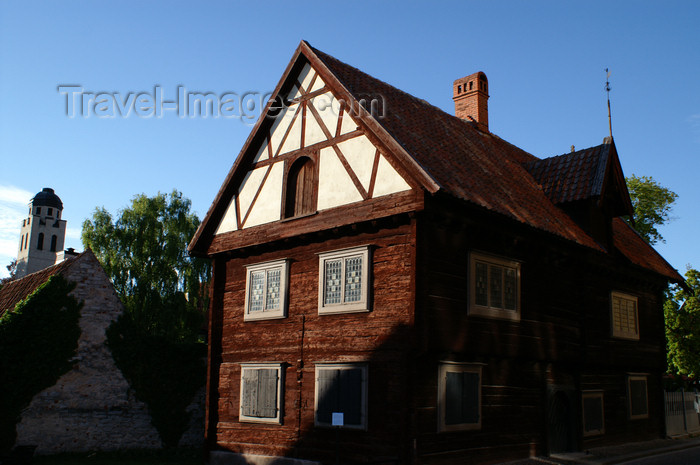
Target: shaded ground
{"x": 167, "y": 457}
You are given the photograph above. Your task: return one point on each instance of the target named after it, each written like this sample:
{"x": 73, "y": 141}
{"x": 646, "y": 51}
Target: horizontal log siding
{"x": 380, "y": 338}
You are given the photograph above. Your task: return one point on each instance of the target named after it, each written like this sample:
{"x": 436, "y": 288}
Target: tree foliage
{"x": 682, "y": 313}
{"x": 38, "y": 339}
{"x": 145, "y": 249}
{"x": 156, "y": 343}
{"x": 652, "y": 205}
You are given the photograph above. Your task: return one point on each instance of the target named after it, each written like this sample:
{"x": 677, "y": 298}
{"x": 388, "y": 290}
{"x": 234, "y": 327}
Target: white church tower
{"x": 43, "y": 234}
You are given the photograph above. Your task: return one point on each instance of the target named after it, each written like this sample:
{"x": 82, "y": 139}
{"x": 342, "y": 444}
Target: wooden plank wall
{"x": 380, "y": 338}
{"x": 562, "y": 340}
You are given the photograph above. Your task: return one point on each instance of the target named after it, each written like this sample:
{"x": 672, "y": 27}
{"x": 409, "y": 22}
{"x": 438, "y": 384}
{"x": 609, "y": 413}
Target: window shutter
{"x": 638, "y": 396}
{"x": 267, "y": 393}
{"x": 593, "y": 413}
{"x": 470, "y": 397}
{"x": 461, "y": 398}
{"x": 350, "y": 395}
{"x": 250, "y": 392}
{"x": 453, "y": 398}
{"x": 327, "y": 395}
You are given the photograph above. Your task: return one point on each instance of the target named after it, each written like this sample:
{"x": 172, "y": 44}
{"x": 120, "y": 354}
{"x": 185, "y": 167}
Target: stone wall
{"x": 92, "y": 407}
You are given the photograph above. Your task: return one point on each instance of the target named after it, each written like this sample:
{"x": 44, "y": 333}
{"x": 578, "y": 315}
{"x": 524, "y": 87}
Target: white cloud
{"x": 13, "y": 208}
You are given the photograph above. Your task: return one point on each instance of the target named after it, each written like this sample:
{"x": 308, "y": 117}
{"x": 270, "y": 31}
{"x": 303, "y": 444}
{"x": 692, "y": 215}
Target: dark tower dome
{"x": 47, "y": 198}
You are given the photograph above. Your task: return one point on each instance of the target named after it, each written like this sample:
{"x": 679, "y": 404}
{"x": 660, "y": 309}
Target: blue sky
{"x": 544, "y": 62}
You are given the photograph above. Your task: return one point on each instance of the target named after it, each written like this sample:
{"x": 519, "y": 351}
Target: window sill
{"x": 305, "y": 215}
{"x": 494, "y": 313}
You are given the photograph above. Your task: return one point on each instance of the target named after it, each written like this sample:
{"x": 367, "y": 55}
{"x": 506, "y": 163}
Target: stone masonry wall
{"x": 91, "y": 407}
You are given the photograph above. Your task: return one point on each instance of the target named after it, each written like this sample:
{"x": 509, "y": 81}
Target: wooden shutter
{"x": 327, "y": 398}
{"x": 593, "y": 414}
{"x": 249, "y": 392}
{"x": 350, "y": 396}
{"x": 461, "y": 398}
{"x": 267, "y": 393}
{"x": 638, "y": 397}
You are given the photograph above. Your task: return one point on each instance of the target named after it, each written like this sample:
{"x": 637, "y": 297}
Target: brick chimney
{"x": 471, "y": 95}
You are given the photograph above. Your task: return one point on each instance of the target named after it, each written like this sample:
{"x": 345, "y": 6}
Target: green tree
{"x": 652, "y": 205}
{"x": 682, "y": 313}
{"x": 157, "y": 342}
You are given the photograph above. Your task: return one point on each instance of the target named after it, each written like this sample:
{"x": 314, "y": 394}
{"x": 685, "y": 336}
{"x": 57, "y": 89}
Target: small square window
{"x": 637, "y": 395}
{"x": 341, "y": 388}
{"x": 261, "y": 392}
{"x": 593, "y": 413}
{"x": 494, "y": 287}
{"x": 344, "y": 281}
{"x": 624, "y": 316}
{"x": 459, "y": 397}
{"x": 266, "y": 290}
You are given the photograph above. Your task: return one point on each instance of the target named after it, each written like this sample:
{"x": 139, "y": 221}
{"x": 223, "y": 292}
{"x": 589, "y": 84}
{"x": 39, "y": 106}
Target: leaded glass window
{"x": 624, "y": 316}
{"x": 266, "y": 290}
{"x": 495, "y": 286}
{"x": 344, "y": 277}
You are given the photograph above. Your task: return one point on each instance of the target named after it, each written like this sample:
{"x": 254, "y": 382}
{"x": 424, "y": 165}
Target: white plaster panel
{"x": 279, "y": 127}
{"x": 388, "y": 180}
{"x": 262, "y": 153}
{"x": 294, "y": 93}
{"x": 335, "y": 187}
{"x": 305, "y": 76}
{"x": 318, "y": 84}
{"x": 325, "y": 108}
{"x": 348, "y": 125}
{"x": 249, "y": 188}
{"x": 268, "y": 205}
{"x": 359, "y": 152}
{"x": 313, "y": 132}
{"x": 293, "y": 140}
{"x": 229, "y": 221}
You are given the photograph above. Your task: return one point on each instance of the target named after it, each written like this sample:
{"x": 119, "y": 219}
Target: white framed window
{"x": 592, "y": 405}
{"x": 494, "y": 285}
{"x": 261, "y": 392}
{"x": 637, "y": 396}
{"x": 344, "y": 281}
{"x": 624, "y": 318}
{"x": 459, "y": 396}
{"x": 266, "y": 290}
{"x": 341, "y": 388}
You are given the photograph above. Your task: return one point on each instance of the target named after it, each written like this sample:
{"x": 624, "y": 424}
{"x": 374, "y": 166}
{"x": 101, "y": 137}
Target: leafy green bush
{"x": 156, "y": 345}
{"x": 38, "y": 339}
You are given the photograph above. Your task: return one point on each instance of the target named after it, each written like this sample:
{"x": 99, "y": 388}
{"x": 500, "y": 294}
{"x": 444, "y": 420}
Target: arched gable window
{"x": 300, "y": 197}
{"x": 40, "y": 242}
{"x": 53, "y": 243}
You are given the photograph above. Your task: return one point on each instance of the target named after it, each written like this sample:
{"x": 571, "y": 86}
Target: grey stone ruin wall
{"x": 92, "y": 407}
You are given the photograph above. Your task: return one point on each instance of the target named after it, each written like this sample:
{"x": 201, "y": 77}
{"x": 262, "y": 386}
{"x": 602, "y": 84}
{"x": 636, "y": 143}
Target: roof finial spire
{"x": 607, "y": 89}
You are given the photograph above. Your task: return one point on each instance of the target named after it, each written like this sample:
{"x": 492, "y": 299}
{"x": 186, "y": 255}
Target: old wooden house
{"x": 395, "y": 284}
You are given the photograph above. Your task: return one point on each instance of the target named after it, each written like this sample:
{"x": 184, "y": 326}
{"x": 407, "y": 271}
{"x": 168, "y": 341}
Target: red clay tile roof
{"x": 637, "y": 251}
{"x": 475, "y": 166}
{"x": 14, "y": 291}
{"x": 572, "y": 176}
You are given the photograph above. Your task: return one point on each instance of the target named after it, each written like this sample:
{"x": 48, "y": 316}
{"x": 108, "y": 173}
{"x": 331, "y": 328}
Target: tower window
{"x": 40, "y": 242}
{"x": 300, "y": 198}
{"x": 58, "y": 214}
{"x": 50, "y": 212}
{"x": 38, "y": 210}
{"x": 471, "y": 85}
{"x": 21, "y": 242}
{"x": 53, "y": 243}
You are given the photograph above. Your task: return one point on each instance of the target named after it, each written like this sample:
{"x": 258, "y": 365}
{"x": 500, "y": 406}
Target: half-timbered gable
{"x": 394, "y": 284}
